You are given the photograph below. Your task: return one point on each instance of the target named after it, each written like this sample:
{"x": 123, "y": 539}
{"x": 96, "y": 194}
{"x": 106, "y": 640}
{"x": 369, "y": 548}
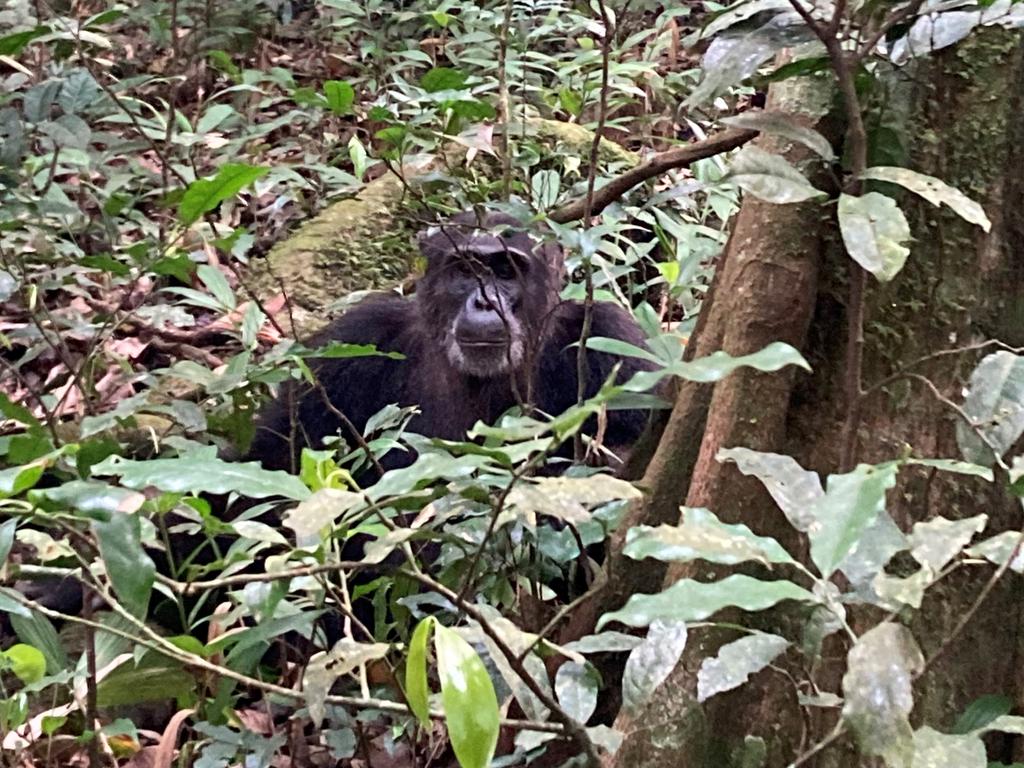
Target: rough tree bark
{"x": 783, "y": 278}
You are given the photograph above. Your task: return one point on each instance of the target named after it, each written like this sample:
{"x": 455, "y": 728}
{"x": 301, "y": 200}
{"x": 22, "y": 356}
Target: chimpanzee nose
{"x": 481, "y": 322}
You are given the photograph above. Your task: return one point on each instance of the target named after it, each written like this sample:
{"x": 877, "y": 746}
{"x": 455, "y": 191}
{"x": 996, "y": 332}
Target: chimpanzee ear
{"x": 551, "y": 255}
{"x": 436, "y": 242}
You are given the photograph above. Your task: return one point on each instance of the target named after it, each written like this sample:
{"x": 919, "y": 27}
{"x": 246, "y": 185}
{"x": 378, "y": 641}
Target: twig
{"x": 894, "y": 18}
{"x": 588, "y": 212}
{"x": 504, "y": 104}
{"x": 661, "y": 163}
{"x": 835, "y": 734}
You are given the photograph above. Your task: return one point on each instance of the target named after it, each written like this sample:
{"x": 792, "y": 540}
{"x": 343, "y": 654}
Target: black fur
{"x": 433, "y": 374}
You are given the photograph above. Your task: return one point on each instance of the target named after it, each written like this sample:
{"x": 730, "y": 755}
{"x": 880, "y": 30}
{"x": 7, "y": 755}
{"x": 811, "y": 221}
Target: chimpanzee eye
{"x": 503, "y": 269}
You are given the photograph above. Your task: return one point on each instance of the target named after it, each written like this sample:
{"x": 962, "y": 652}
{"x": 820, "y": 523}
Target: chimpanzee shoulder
{"x": 357, "y": 386}
{"x": 557, "y": 381}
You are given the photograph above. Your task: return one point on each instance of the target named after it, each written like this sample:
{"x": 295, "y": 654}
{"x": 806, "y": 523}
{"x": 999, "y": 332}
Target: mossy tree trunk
{"x": 784, "y": 278}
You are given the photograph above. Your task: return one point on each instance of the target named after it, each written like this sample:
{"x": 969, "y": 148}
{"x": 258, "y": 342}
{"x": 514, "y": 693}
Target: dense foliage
{"x": 152, "y": 153}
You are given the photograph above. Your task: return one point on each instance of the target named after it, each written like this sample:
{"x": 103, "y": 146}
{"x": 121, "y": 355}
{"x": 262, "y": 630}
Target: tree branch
{"x": 680, "y": 157}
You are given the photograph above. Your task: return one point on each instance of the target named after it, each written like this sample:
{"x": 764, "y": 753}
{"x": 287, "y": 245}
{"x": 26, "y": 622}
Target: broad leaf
{"x": 874, "y": 232}
{"x": 90, "y": 497}
{"x": 770, "y": 177}
{"x": 736, "y": 662}
{"x": 576, "y": 685}
{"x": 852, "y": 502}
{"x": 604, "y": 642}
{"x": 878, "y": 692}
{"x": 935, "y": 191}
{"x": 314, "y": 516}
{"x": 39, "y": 632}
{"x": 796, "y": 490}
{"x": 130, "y": 569}
{"x": 27, "y": 663}
{"x": 443, "y": 79}
{"x": 340, "y": 96}
{"x": 7, "y": 529}
{"x": 689, "y": 600}
{"x": 467, "y": 694}
{"x": 782, "y": 124}
{"x": 201, "y": 472}
{"x": 995, "y": 406}
{"x": 651, "y": 662}
{"x": 983, "y": 711}
{"x": 702, "y": 536}
{"x": 203, "y": 195}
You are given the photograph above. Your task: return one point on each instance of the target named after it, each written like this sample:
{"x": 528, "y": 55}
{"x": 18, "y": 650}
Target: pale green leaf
{"x": 935, "y": 191}
{"x": 323, "y": 669}
{"x": 576, "y": 685}
{"x": 769, "y": 177}
{"x": 689, "y": 600}
{"x": 878, "y": 692}
{"x": 784, "y": 125}
{"x": 736, "y": 662}
{"x": 796, "y": 490}
{"x": 651, "y": 662}
{"x": 995, "y": 406}
{"x": 935, "y": 542}
{"x": 416, "y": 691}
{"x": 27, "y": 663}
{"x": 567, "y": 498}
{"x": 875, "y": 233}
{"x": 201, "y": 472}
{"x": 942, "y": 750}
{"x": 315, "y": 516}
{"x": 702, "y": 536}
{"x": 852, "y": 502}
{"x": 1000, "y": 548}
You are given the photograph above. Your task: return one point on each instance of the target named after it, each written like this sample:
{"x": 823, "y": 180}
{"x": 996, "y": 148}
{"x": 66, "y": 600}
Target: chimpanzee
{"x": 485, "y": 330}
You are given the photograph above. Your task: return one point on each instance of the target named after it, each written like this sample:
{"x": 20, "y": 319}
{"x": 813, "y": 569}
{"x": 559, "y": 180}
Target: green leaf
{"x": 571, "y": 101}
{"x": 689, "y": 600}
{"x": 1000, "y": 548}
{"x": 216, "y": 284}
{"x": 651, "y": 662}
{"x": 16, "y": 480}
{"x": 130, "y": 569}
{"x": 702, "y": 536}
{"x": 850, "y": 505}
{"x": 20, "y": 414}
{"x": 935, "y": 191}
{"x": 874, "y": 231}
{"x": 878, "y": 691}
{"x": 340, "y": 96}
{"x": 27, "y": 663}
{"x": 417, "y": 694}
{"x": 155, "y": 678}
{"x": 783, "y": 124}
{"x": 39, "y": 632}
{"x": 443, "y": 79}
{"x": 202, "y": 472}
{"x": 621, "y": 348}
{"x": 982, "y": 711}
{"x": 770, "y": 177}
{"x": 90, "y": 497}
{"x": 203, "y": 195}
{"x": 736, "y": 662}
{"x": 718, "y": 365}
{"x": 12, "y": 45}
{"x": 7, "y": 529}
{"x": 952, "y": 465}
{"x": 796, "y": 490}
{"x": 467, "y": 694}
{"x": 995, "y": 406}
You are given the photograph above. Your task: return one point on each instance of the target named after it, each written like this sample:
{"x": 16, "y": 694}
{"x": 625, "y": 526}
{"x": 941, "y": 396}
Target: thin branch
{"x": 661, "y": 163}
{"x": 894, "y": 18}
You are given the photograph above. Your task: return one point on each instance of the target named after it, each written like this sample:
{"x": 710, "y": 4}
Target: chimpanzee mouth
{"x": 482, "y": 343}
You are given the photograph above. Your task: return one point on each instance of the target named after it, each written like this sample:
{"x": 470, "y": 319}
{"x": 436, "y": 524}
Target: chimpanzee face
{"x": 483, "y": 294}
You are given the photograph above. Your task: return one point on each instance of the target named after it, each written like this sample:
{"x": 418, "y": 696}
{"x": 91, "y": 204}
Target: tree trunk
{"x": 784, "y": 278}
